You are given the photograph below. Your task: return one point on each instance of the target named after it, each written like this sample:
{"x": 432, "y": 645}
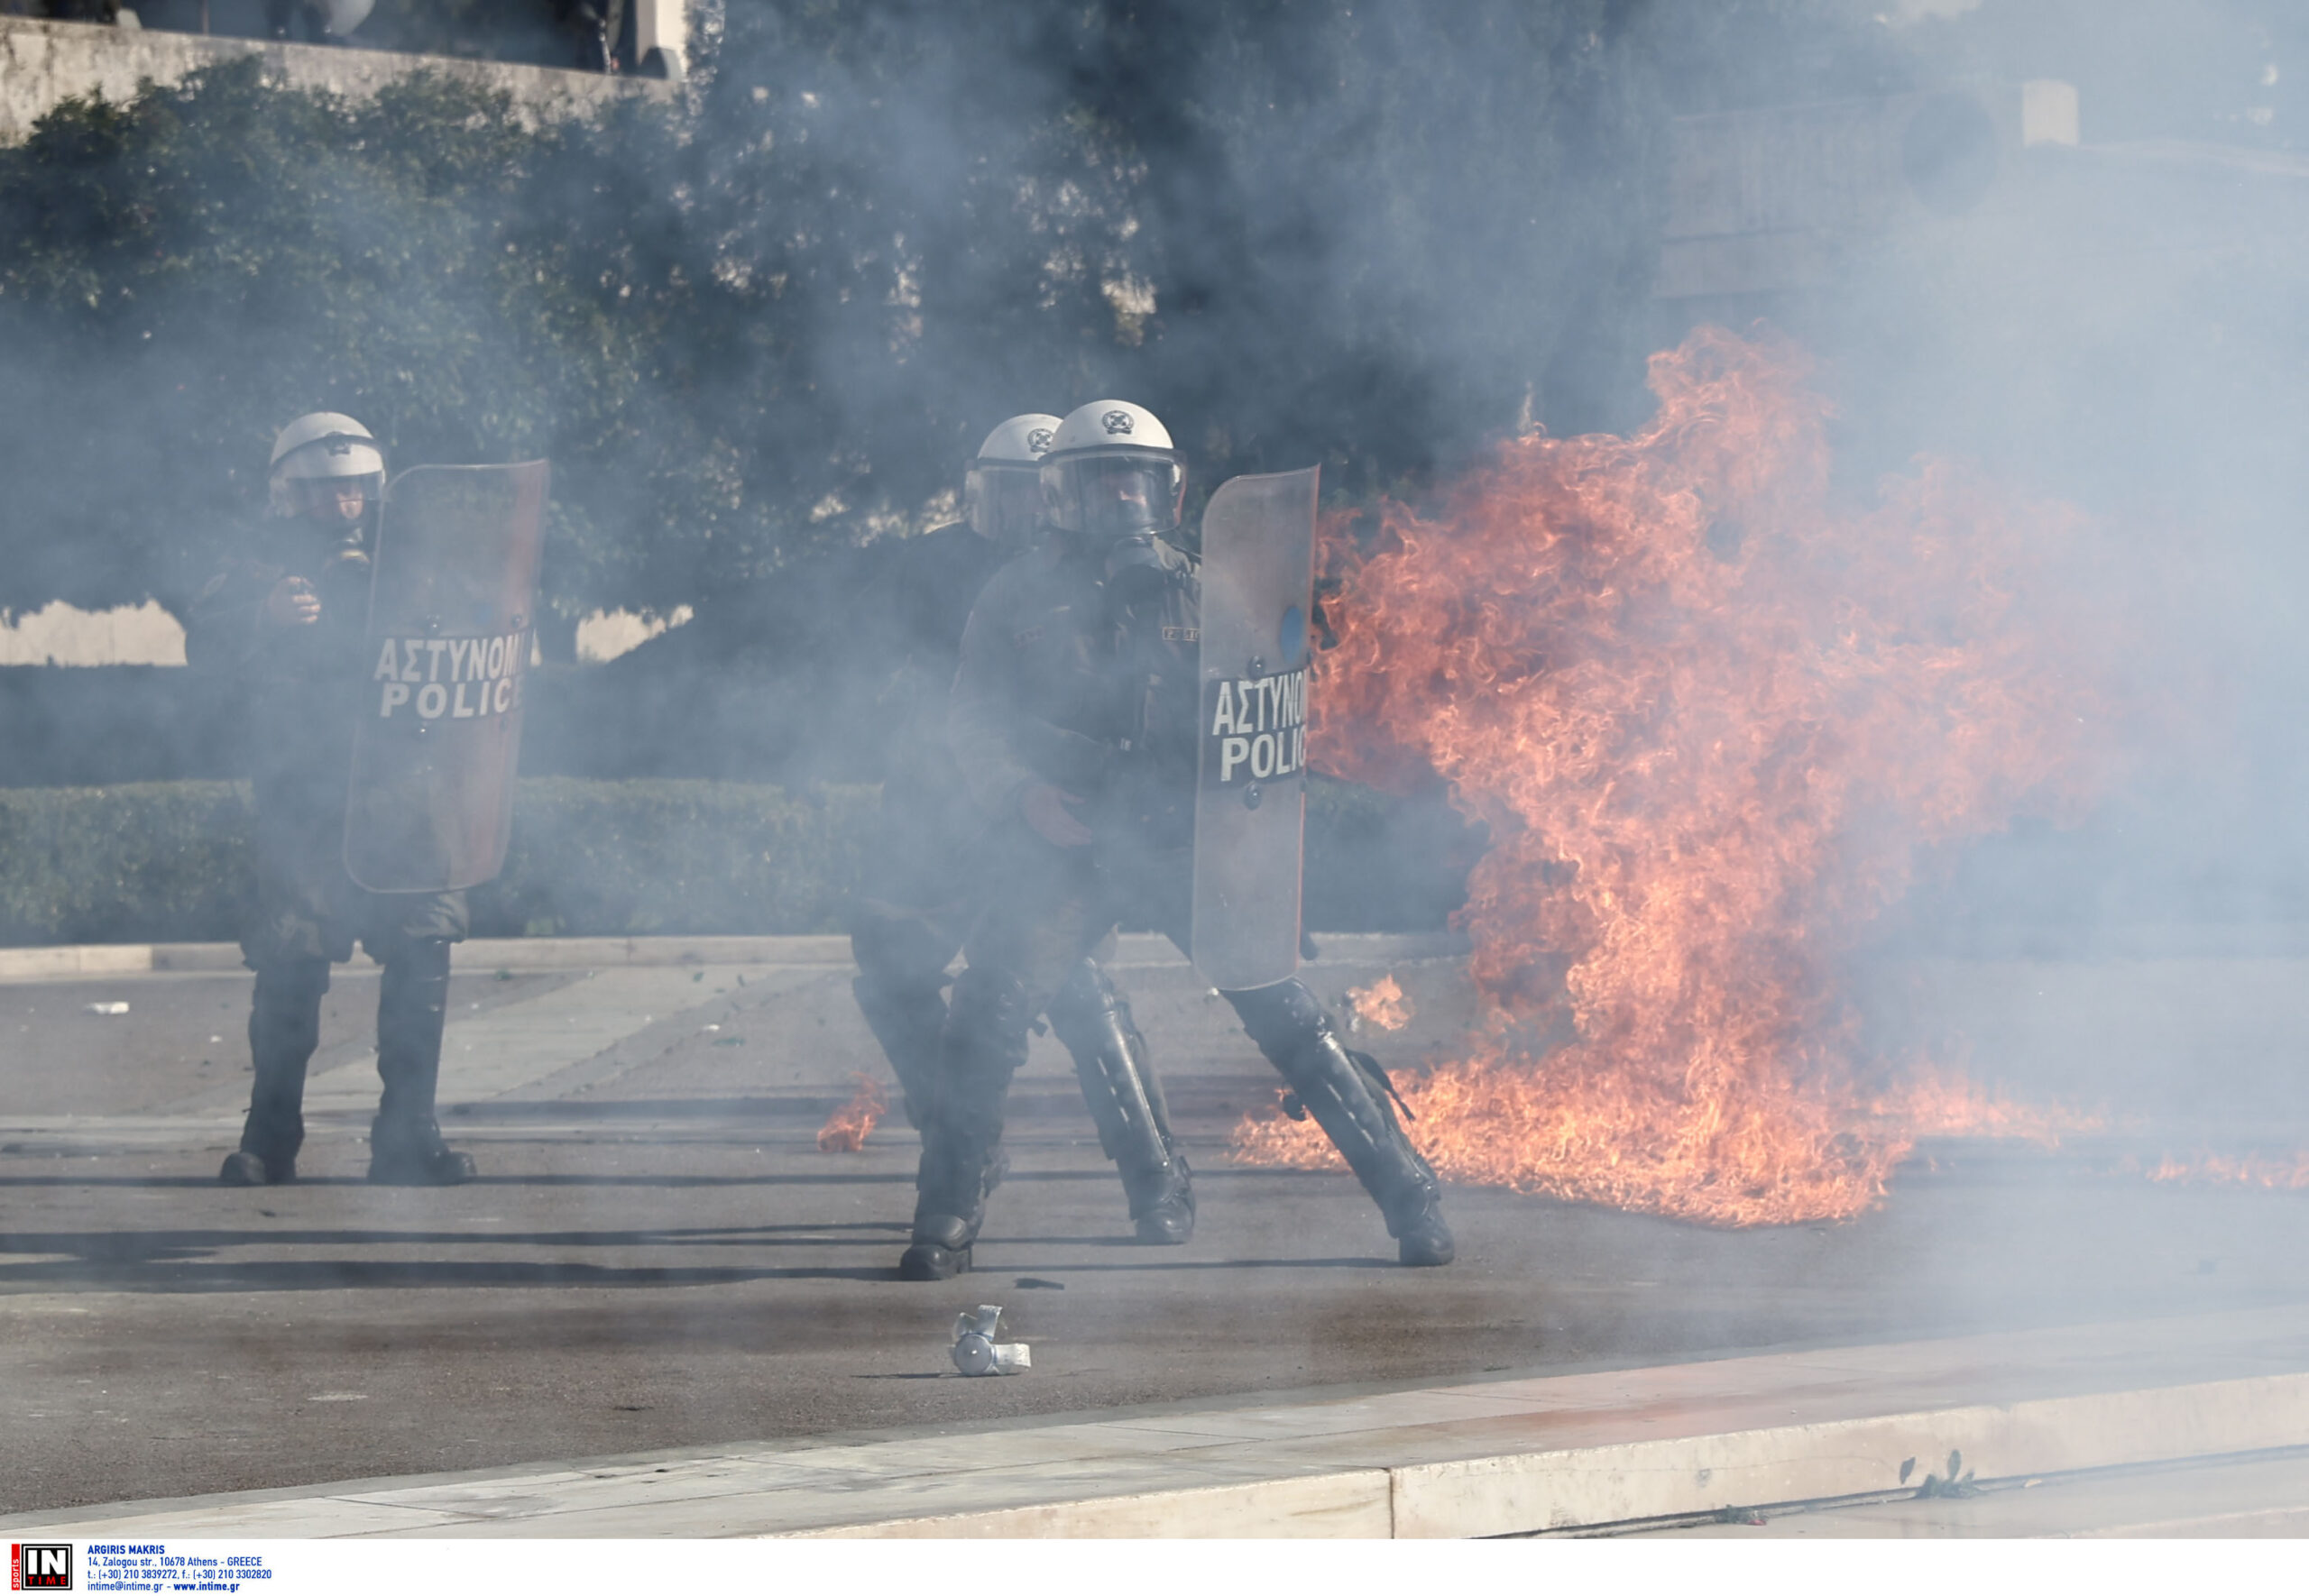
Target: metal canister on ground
{"x": 975, "y": 1350}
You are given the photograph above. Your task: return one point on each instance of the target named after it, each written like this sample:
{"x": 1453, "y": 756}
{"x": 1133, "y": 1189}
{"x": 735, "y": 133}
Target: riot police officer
{"x": 1072, "y": 721}
{"x": 924, "y": 877}
{"x": 286, "y": 623}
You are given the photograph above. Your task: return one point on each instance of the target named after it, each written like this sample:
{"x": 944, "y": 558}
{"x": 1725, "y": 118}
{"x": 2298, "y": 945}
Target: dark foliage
{"x": 180, "y": 275}
{"x": 778, "y": 315}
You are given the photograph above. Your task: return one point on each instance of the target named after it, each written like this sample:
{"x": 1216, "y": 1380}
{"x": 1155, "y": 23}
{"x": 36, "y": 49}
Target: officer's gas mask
{"x": 326, "y": 522}
{"x": 1115, "y": 494}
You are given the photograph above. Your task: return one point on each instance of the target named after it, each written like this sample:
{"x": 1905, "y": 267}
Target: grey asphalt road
{"x": 659, "y": 1255}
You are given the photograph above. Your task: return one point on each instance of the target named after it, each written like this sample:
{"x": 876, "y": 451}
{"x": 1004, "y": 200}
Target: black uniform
{"x": 1080, "y": 671}
{"x": 302, "y": 687}
{"x": 929, "y": 869}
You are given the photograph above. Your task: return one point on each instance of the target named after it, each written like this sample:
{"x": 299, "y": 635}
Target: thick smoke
{"x": 760, "y": 327}
{"x": 782, "y": 315}
{"x": 759, "y": 323}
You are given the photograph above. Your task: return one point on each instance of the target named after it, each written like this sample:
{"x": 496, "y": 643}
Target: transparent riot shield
{"x": 1258, "y": 565}
{"x": 451, "y": 613}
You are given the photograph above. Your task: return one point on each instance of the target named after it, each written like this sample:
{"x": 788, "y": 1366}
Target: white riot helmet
{"x": 1112, "y": 473}
{"x": 1002, "y": 490}
{"x": 313, "y": 459}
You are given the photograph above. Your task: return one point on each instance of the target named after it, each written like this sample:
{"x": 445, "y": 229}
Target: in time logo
{"x": 40, "y": 1568}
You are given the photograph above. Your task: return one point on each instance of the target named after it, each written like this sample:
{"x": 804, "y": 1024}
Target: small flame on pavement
{"x": 2273, "y": 1171}
{"x": 1382, "y": 1004}
{"x": 849, "y": 1127}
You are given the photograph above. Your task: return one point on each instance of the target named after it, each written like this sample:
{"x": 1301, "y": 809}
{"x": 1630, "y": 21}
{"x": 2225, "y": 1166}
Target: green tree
{"x": 773, "y": 320}
{"x": 182, "y": 274}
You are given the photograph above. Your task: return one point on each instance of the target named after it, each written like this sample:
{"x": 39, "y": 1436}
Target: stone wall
{"x": 45, "y": 63}
{"x": 59, "y": 634}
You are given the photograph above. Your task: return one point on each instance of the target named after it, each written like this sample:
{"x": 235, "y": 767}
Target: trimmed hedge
{"x": 169, "y": 861}
{"x": 661, "y": 858}
{"x": 143, "y": 862}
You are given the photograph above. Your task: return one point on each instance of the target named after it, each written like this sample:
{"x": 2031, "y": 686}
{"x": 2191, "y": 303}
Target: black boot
{"x": 284, "y": 1028}
{"x": 1162, "y": 1201}
{"x": 939, "y": 1248}
{"x": 981, "y": 1047}
{"x": 1348, "y": 1094}
{"x": 1124, "y": 1097}
{"x": 405, "y": 1145}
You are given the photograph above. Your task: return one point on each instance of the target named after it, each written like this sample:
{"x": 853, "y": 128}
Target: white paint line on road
{"x": 1550, "y": 1453}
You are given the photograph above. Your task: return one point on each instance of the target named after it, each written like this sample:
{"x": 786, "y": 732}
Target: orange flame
{"x": 1709, "y": 714}
{"x": 1944, "y": 1102}
{"x": 1382, "y": 1004}
{"x": 846, "y": 1129}
{"x": 2285, "y": 1173}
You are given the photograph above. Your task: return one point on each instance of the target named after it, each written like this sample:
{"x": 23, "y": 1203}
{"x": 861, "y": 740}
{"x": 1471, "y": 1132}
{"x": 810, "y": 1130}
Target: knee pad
{"x": 900, "y": 947}
{"x": 288, "y": 993}
{"x": 883, "y": 999}
{"x": 424, "y": 958}
{"x": 983, "y": 1042}
{"x": 876, "y": 942}
{"x": 1084, "y": 1002}
{"x": 293, "y": 981}
{"x": 907, "y": 1021}
{"x": 988, "y": 1005}
{"x": 1281, "y": 1018}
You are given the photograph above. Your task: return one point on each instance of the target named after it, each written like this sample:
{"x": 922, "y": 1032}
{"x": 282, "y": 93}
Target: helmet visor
{"x": 1003, "y": 502}
{"x": 1118, "y": 494}
{"x": 348, "y": 500}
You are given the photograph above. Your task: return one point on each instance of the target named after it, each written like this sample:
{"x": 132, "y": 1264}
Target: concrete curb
{"x": 1595, "y": 1487}
{"x": 65, "y": 964}
{"x": 535, "y": 954}
{"x": 1566, "y": 1453}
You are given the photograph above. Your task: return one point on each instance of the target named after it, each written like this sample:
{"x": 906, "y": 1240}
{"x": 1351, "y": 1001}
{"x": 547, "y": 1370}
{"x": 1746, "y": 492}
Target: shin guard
{"x": 1348, "y": 1095}
{"x": 1111, "y": 1061}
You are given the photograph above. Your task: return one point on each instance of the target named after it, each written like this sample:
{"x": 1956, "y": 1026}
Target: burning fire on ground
{"x": 1382, "y": 1003}
{"x": 1946, "y": 1103}
{"x": 2272, "y": 1171}
{"x": 847, "y": 1128}
{"x": 1710, "y": 714}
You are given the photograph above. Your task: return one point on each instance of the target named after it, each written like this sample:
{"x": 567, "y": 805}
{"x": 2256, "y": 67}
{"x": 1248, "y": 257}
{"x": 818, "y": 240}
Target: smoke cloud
{"x": 759, "y": 325}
